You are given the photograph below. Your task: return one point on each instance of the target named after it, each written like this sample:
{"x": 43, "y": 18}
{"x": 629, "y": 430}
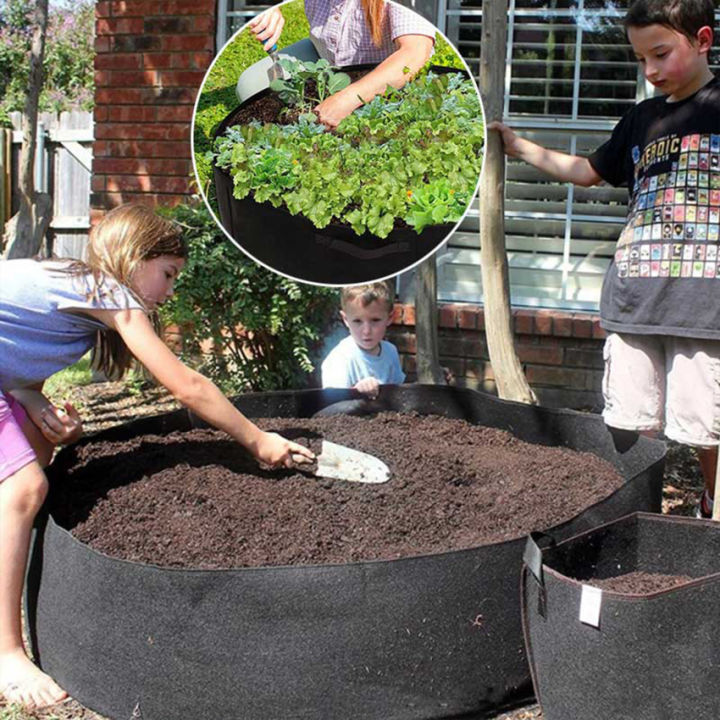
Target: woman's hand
{"x": 59, "y": 426}
{"x": 276, "y": 451}
{"x": 268, "y": 26}
{"x": 334, "y": 109}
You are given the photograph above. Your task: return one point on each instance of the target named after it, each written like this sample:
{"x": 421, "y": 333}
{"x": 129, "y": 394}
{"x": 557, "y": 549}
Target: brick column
{"x": 151, "y": 58}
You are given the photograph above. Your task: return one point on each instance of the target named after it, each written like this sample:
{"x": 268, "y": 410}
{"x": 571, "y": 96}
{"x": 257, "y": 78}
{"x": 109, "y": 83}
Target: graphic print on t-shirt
{"x": 673, "y": 227}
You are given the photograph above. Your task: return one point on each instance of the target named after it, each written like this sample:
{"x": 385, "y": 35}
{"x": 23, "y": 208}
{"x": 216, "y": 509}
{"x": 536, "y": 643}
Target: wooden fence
{"x": 62, "y": 168}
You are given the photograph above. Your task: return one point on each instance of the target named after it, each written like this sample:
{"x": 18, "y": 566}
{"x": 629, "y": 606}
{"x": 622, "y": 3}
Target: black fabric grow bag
{"x": 333, "y": 255}
{"x": 653, "y": 657}
{"x": 384, "y": 639}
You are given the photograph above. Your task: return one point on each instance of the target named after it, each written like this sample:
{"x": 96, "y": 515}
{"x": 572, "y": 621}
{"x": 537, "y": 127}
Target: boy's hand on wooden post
{"x": 508, "y": 136}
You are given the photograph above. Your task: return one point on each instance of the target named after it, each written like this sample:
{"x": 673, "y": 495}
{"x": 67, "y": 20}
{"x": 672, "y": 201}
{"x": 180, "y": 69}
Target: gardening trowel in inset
{"x": 343, "y": 463}
{"x": 275, "y": 72}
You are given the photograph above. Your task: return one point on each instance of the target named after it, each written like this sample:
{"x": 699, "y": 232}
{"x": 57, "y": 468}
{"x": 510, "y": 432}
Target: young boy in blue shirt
{"x": 364, "y": 360}
{"x": 661, "y": 296}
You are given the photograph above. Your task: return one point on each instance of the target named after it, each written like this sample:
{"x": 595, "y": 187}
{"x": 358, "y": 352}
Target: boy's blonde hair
{"x": 383, "y": 292}
{"x": 125, "y": 237}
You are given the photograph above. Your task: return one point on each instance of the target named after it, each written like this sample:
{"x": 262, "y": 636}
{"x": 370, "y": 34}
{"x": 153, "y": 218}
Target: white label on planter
{"x": 590, "y": 603}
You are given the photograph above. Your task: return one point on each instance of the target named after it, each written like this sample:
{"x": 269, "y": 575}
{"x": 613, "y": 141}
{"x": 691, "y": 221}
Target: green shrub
{"x": 265, "y": 329}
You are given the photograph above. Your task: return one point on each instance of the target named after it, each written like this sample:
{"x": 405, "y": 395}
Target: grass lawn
{"x": 59, "y": 385}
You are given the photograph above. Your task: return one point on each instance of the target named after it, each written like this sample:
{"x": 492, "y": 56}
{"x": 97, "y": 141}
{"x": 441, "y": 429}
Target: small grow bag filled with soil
{"x": 621, "y": 622}
{"x": 177, "y": 577}
{"x": 362, "y": 202}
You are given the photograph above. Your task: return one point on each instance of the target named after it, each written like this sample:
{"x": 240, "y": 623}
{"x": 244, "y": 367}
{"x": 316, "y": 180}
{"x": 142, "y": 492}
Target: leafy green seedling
{"x": 293, "y": 89}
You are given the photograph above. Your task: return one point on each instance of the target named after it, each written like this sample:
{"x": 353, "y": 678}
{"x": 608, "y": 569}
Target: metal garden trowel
{"x": 259, "y": 76}
{"x": 275, "y": 72}
{"x": 343, "y": 463}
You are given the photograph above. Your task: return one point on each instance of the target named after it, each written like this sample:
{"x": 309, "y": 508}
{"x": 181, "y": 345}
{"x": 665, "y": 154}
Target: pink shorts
{"x": 661, "y": 382}
{"x": 15, "y": 450}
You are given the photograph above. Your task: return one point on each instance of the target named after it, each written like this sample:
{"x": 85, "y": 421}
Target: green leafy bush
{"x": 412, "y": 154}
{"x": 264, "y": 329}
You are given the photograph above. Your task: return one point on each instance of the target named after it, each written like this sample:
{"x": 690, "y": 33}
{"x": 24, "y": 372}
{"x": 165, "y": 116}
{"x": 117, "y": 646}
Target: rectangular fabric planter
{"x": 633, "y": 657}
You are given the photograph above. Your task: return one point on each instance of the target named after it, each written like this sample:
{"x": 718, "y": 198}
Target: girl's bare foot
{"x": 22, "y": 682}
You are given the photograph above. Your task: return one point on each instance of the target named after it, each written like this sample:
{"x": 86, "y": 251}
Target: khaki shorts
{"x": 660, "y": 382}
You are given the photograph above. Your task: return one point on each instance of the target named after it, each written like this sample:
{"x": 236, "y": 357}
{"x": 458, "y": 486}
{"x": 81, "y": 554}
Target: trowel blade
{"x": 274, "y": 72}
{"x": 343, "y": 463}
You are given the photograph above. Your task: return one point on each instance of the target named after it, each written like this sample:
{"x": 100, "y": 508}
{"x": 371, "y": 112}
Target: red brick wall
{"x": 151, "y": 58}
{"x": 561, "y": 352}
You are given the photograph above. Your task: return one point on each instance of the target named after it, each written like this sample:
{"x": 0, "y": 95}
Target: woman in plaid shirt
{"x": 352, "y": 32}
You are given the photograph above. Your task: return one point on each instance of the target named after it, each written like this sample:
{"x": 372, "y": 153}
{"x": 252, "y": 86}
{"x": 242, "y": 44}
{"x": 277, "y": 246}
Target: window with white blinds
{"x": 570, "y": 75}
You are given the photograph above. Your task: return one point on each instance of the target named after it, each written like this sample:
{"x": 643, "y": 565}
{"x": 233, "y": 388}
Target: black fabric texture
{"x": 434, "y": 636}
{"x": 653, "y": 657}
{"x": 665, "y": 275}
{"x": 333, "y": 255}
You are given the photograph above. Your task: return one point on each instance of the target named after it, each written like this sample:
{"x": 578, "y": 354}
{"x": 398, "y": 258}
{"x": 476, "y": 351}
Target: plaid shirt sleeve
{"x": 403, "y": 21}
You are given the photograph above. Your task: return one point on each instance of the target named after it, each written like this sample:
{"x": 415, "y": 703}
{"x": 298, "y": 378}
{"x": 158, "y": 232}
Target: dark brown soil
{"x": 640, "y": 583}
{"x": 268, "y": 108}
{"x": 196, "y": 499}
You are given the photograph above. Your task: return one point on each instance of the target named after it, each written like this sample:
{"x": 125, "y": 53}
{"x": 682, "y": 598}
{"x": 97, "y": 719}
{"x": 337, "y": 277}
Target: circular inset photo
{"x": 338, "y": 142}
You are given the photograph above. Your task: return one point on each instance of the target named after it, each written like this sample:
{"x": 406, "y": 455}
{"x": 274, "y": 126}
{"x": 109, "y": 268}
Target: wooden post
{"x": 509, "y": 377}
{"x": 427, "y": 357}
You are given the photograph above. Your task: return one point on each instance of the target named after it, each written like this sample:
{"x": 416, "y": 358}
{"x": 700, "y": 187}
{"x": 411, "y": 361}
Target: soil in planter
{"x": 639, "y": 583}
{"x": 197, "y": 499}
{"x": 268, "y": 108}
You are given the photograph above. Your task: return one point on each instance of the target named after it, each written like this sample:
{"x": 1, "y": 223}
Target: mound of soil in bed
{"x": 197, "y": 499}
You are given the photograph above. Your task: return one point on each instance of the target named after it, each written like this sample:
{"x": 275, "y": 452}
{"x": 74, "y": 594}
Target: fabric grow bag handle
{"x": 533, "y": 560}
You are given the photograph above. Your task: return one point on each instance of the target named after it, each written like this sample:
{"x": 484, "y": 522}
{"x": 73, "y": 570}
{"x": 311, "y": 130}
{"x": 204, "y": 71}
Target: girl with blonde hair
{"x": 353, "y": 32}
{"x": 51, "y": 314}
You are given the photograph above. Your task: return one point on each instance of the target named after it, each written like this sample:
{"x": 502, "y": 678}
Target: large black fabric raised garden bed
{"x": 332, "y": 255}
{"x": 646, "y": 656}
{"x": 383, "y": 639}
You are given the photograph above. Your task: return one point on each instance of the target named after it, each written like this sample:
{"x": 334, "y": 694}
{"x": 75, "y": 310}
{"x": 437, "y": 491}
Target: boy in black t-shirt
{"x": 661, "y": 295}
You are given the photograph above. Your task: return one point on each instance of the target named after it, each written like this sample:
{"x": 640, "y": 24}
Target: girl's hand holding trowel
{"x": 275, "y": 450}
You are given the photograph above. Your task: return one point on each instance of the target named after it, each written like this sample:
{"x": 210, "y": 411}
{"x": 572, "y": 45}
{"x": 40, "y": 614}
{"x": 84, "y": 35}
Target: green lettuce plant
{"x": 409, "y": 157}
